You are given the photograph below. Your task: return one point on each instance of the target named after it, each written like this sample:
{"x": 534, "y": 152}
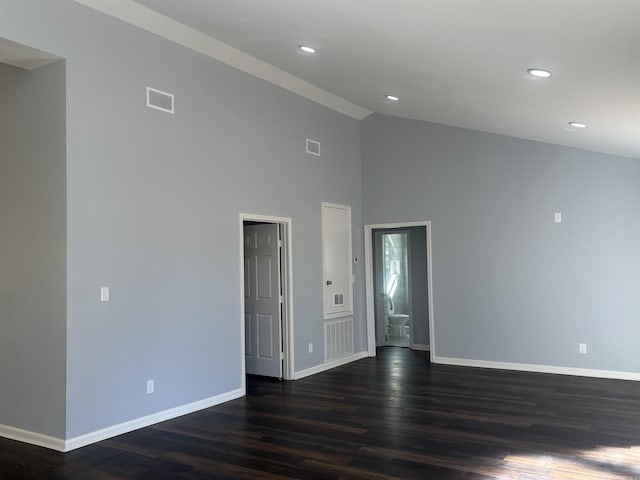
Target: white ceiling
{"x": 456, "y": 62}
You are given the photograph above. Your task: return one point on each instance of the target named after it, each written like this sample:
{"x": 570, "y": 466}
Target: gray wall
{"x": 419, "y": 284}
{"x": 153, "y": 210}
{"x": 509, "y": 284}
{"x": 33, "y": 249}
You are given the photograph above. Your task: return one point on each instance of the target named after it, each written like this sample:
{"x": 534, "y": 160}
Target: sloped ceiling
{"x": 455, "y": 62}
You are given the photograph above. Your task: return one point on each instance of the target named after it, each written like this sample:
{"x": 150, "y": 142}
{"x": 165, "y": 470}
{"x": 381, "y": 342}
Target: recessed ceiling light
{"x": 393, "y": 98}
{"x": 578, "y": 125}
{"x": 539, "y": 72}
{"x": 306, "y": 49}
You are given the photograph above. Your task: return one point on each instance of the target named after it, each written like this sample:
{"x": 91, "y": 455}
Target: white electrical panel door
{"x": 336, "y": 260}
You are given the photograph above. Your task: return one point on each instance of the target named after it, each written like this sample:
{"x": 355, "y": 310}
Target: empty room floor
{"x": 393, "y": 416}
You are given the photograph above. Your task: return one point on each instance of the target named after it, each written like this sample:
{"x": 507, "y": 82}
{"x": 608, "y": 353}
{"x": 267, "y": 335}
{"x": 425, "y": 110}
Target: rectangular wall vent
{"x": 159, "y": 100}
{"x": 313, "y": 147}
{"x": 338, "y": 299}
{"x": 338, "y": 339}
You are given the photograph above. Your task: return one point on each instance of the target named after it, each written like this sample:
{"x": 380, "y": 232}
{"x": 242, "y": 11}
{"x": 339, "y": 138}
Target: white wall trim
{"x": 163, "y": 26}
{"x": 420, "y": 347}
{"x": 152, "y": 419}
{"x": 368, "y": 278}
{"x": 33, "y": 438}
{"x": 531, "y": 367}
{"x": 288, "y": 336}
{"x": 83, "y": 440}
{"x": 329, "y": 365}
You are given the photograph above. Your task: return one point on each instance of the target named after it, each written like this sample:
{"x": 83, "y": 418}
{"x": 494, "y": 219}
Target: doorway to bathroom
{"x": 392, "y": 284}
{"x": 399, "y": 286}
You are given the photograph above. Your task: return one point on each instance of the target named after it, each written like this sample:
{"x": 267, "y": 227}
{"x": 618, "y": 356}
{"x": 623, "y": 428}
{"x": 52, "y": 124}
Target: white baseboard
{"x": 530, "y": 367}
{"x": 329, "y": 365}
{"x": 115, "y": 430}
{"x": 33, "y": 438}
{"x": 141, "y": 422}
{"x": 420, "y": 347}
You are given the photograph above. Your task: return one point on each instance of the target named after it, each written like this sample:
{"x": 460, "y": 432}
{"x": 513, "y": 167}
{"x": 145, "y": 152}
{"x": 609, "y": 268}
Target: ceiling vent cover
{"x": 313, "y": 147}
{"x": 159, "y": 100}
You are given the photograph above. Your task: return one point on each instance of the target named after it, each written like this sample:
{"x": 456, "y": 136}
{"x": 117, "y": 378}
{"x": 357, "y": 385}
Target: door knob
{"x": 329, "y": 282}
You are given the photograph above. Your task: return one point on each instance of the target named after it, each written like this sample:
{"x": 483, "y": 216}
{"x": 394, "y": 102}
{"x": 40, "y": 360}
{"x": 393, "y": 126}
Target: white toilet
{"x": 398, "y": 322}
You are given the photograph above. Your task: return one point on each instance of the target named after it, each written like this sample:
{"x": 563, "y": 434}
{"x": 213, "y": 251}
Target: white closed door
{"x": 262, "y": 300}
{"x": 336, "y": 260}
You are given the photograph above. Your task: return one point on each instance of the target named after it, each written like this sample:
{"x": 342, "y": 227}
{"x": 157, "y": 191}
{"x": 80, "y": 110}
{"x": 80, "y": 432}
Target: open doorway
{"x": 393, "y": 269}
{"x": 267, "y": 326}
{"x": 399, "y": 299}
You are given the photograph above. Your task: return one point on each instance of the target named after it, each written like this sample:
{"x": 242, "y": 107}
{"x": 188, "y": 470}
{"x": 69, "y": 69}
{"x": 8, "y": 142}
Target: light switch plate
{"x": 104, "y": 294}
{"x": 557, "y": 217}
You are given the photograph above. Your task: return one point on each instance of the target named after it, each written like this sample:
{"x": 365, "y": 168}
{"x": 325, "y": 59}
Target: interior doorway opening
{"x": 393, "y": 268}
{"x": 266, "y": 313}
{"x": 398, "y": 276}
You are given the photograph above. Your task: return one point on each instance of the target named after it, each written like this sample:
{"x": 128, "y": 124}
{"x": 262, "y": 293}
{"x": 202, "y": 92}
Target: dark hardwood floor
{"x": 394, "y": 416}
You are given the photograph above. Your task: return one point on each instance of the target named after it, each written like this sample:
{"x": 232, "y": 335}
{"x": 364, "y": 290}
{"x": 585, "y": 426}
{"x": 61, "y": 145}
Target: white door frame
{"x": 368, "y": 274}
{"x": 287, "y": 276}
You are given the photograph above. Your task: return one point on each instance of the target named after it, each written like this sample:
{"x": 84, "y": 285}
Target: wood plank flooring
{"x": 391, "y": 417}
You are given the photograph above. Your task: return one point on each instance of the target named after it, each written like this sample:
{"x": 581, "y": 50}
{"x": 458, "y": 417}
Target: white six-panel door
{"x": 263, "y": 344}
